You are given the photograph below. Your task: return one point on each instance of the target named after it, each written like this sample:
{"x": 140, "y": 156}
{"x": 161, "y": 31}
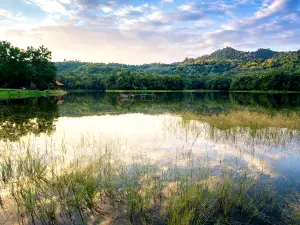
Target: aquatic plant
{"x": 49, "y": 189}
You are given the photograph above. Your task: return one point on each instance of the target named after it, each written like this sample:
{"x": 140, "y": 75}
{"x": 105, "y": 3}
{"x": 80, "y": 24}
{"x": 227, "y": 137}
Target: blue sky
{"x": 145, "y": 31}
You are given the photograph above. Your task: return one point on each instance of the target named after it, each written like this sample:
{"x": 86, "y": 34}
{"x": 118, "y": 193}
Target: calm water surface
{"x": 259, "y": 133}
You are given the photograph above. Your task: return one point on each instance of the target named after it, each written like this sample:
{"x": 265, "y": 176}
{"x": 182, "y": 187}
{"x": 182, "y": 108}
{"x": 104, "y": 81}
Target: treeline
{"x": 225, "y": 69}
{"x": 271, "y": 80}
{"x": 99, "y": 76}
{"x": 125, "y": 79}
{"x": 30, "y": 68}
{"x": 206, "y": 67}
{"x": 122, "y": 80}
{"x": 227, "y": 60}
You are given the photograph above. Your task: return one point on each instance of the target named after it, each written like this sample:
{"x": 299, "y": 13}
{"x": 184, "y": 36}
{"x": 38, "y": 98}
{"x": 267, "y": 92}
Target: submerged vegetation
{"x": 53, "y": 174}
{"x": 246, "y": 118}
{"x": 48, "y": 189}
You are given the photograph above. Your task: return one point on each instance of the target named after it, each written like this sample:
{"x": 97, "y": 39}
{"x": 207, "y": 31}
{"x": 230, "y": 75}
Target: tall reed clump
{"x": 95, "y": 189}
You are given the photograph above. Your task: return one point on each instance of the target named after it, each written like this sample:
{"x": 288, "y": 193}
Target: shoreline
{"x": 203, "y": 90}
{"x": 19, "y": 93}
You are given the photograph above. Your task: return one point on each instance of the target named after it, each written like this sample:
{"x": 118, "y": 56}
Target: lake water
{"x": 236, "y": 132}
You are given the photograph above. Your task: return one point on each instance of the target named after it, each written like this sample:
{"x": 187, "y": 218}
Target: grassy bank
{"x": 19, "y": 93}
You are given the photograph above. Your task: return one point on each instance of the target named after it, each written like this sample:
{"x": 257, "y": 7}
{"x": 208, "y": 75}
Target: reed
{"x": 43, "y": 188}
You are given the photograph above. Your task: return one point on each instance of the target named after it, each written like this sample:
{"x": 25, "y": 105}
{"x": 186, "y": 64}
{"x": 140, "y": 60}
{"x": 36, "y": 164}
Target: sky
{"x": 147, "y": 31}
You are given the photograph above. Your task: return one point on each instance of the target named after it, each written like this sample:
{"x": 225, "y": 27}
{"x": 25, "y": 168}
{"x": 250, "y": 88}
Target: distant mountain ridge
{"x": 234, "y": 54}
{"x": 226, "y": 60}
{"x": 223, "y": 69}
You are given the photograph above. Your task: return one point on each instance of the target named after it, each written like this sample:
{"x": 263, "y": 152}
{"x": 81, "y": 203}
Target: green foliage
{"x": 30, "y": 68}
{"x": 269, "y": 80}
{"x": 215, "y": 71}
{"x": 123, "y": 79}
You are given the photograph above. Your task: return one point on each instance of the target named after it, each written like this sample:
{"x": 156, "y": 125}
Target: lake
{"x": 224, "y": 147}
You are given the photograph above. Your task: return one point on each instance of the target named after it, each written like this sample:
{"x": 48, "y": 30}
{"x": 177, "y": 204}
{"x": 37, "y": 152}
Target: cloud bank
{"x": 152, "y": 31}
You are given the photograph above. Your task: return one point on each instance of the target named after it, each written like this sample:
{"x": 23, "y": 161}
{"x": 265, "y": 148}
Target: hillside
{"x": 215, "y": 71}
{"x": 233, "y": 54}
{"x": 226, "y": 60}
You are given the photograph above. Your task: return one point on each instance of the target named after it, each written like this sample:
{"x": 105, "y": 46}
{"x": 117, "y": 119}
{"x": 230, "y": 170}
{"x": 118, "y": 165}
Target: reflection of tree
{"x": 275, "y": 101}
{"x": 24, "y": 116}
{"x": 87, "y": 104}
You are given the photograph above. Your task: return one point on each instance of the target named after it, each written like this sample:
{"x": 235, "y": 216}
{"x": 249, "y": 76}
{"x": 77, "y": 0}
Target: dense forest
{"x": 31, "y": 68}
{"x": 224, "y": 69}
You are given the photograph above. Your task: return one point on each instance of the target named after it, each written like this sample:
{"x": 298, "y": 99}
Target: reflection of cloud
{"x": 138, "y": 138}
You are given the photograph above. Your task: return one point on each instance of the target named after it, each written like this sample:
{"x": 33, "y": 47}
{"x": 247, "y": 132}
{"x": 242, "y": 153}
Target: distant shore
{"x": 20, "y": 93}
{"x": 203, "y": 90}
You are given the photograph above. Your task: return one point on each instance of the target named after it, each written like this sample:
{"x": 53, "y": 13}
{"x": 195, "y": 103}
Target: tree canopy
{"x": 224, "y": 69}
{"x": 31, "y": 68}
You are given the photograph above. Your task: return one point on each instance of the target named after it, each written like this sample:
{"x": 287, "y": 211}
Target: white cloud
{"x": 106, "y": 9}
{"x": 65, "y": 1}
{"x": 130, "y": 10}
{"x": 167, "y": 1}
{"x": 97, "y": 30}
{"x": 8, "y": 15}
{"x": 50, "y": 6}
{"x": 270, "y": 8}
{"x": 186, "y": 7}
{"x": 157, "y": 15}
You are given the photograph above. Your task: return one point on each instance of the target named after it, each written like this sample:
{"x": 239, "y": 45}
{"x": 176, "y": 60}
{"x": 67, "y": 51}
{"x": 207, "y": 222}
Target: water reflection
{"x": 225, "y": 111}
{"x": 191, "y": 134}
{"x": 27, "y": 116}
{"x": 237, "y": 129}
{"x": 83, "y": 104}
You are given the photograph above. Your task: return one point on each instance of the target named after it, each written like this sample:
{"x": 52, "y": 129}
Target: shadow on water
{"x": 21, "y": 117}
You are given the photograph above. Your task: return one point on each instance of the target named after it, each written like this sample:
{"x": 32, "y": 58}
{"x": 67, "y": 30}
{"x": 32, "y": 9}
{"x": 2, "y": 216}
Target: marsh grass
{"x": 37, "y": 189}
{"x": 244, "y": 127}
{"x": 245, "y": 118}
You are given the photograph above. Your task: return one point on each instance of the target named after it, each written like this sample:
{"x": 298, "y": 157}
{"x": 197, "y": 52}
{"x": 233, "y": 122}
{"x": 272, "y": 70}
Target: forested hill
{"x": 233, "y": 54}
{"x": 215, "y": 71}
{"x": 223, "y": 60}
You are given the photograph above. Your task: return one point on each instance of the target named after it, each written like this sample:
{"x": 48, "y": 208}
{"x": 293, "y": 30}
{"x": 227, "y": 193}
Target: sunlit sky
{"x": 146, "y": 31}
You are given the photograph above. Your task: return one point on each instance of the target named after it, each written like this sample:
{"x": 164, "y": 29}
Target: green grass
{"x": 19, "y": 93}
